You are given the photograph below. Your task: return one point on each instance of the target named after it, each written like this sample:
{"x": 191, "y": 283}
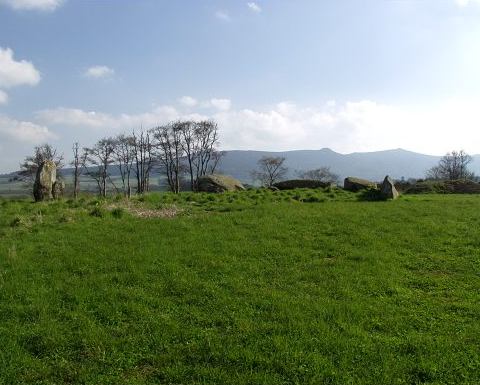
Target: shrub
{"x": 300, "y": 183}
{"x": 118, "y": 212}
{"x": 297, "y": 197}
{"x": 371, "y": 195}
{"x": 18, "y": 221}
{"x": 313, "y": 199}
{"x": 445, "y": 187}
{"x": 97, "y": 212}
{"x": 462, "y": 187}
{"x": 422, "y": 188}
{"x": 64, "y": 218}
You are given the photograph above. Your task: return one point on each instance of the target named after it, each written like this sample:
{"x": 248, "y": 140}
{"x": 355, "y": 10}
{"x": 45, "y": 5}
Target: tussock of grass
{"x": 97, "y": 212}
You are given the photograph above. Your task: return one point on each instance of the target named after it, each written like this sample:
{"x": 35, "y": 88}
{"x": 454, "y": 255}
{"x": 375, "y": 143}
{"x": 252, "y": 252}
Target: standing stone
{"x": 58, "y": 189}
{"x": 44, "y": 181}
{"x": 388, "y": 189}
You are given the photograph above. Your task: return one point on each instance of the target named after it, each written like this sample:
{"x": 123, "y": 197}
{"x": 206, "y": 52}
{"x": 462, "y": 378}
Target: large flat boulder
{"x": 356, "y": 184}
{"x": 44, "y": 181}
{"x": 216, "y": 183}
{"x": 300, "y": 183}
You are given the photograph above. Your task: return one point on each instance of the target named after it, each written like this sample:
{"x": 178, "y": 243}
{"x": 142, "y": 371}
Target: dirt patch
{"x": 165, "y": 212}
{"x": 140, "y": 211}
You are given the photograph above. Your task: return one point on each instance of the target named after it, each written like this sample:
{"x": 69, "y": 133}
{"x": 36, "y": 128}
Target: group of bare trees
{"x": 177, "y": 150}
{"x": 132, "y": 155}
{"x": 187, "y": 149}
{"x": 182, "y": 151}
{"x": 452, "y": 166}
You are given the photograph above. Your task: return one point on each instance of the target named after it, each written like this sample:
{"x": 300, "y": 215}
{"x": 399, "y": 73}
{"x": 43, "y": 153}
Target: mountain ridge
{"x": 373, "y": 165}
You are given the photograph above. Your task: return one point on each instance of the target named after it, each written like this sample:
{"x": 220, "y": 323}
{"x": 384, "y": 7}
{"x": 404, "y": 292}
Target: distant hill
{"x": 371, "y": 165}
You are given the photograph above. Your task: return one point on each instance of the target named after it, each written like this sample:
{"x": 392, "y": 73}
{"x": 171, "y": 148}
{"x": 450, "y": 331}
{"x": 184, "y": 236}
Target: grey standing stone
{"x": 388, "y": 189}
{"x": 44, "y": 181}
{"x": 58, "y": 189}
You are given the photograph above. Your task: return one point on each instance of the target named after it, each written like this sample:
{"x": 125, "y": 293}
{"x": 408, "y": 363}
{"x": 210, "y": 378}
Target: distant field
{"x": 19, "y": 189}
{"x": 12, "y": 189}
{"x": 258, "y": 287}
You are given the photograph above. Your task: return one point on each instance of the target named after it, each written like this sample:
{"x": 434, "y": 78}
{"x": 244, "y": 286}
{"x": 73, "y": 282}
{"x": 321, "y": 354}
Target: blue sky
{"x": 276, "y": 74}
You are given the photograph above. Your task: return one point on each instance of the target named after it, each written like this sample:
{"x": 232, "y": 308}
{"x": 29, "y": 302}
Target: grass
{"x": 256, "y": 287}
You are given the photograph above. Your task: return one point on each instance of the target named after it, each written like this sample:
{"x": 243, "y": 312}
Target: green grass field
{"x": 258, "y": 287}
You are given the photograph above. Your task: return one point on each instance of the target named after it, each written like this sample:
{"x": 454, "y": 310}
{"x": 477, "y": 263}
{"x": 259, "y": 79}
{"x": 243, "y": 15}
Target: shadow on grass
{"x": 371, "y": 195}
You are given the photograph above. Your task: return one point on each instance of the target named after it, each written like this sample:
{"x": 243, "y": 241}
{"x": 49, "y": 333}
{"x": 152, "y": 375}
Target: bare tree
{"x": 206, "y": 133}
{"x": 189, "y": 144}
{"x": 270, "y": 170}
{"x": 199, "y": 142}
{"x": 29, "y": 167}
{"x": 76, "y": 163}
{"x": 170, "y": 151}
{"x": 124, "y": 156}
{"x": 215, "y": 160}
{"x": 143, "y": 151}
{"x": 322, "y": 174}
{"x": 97, "y": 159}
{"x": 452, "y": 166}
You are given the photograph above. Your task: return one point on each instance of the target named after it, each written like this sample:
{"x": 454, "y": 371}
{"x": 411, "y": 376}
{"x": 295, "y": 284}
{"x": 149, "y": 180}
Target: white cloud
{"x": 40, "y": 5}
{"x": 254, "y": 7}
{"x": 464, "y": 3}
{"x": 97, "y": 72}
{"x": 188, "y": 101}
{"x": 221, "y": 104}
{"x": 20, "y": 131}
{"x": 3, "y": 97}
{"x": 223, "y": 15}
{"x": 354, "y": 126}
{"x": 72, "y": 117}
{"x": 15, "y": 73}
{"x": 345, "y": 127}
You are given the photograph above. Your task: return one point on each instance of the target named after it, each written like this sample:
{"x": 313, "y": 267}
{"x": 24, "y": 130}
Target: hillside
{"x": 371, "y": 165}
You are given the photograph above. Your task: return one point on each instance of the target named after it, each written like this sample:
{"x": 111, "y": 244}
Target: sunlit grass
{"x": 257, "y": 287}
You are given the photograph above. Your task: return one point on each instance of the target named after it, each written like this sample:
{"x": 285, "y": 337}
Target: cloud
{"x": 40, "y": 5}
{"x": 109, "y": 123}
{"x": 354, "y": 126}
{"x": 17, "y": 139}
{"x": 464, "y": 3}
{"x": 20, "y": 131}
{"x": 3, "y": 97}
{"x": 15, "y": 73}
{"x": 221, "y": 104}
{"x": 188, "y": 101}
{"x": 350, "y": 126}
{"x": 223, "y": 15}
{"x": 97, "y": 72}
{"x": 254, "y": 7}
